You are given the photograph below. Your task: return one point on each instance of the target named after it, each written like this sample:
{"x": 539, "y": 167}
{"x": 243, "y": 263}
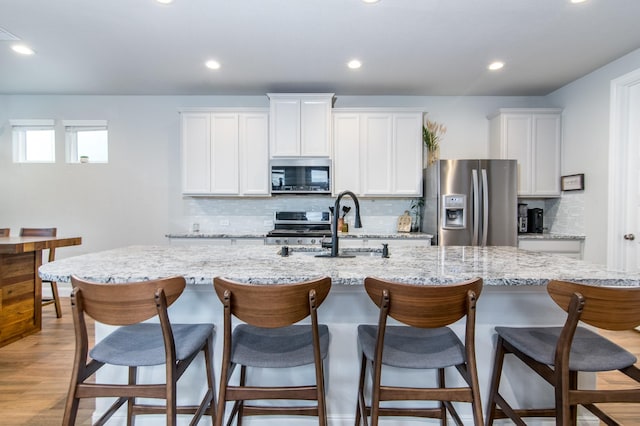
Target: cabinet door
{"x": 376, "y": 143}
{"x": 315, "y": 127}
{"x": 346, "y": 152}
{"x": 285, "y": 127}
{"x": 517, "y": 144}
{"x": 224, "y": 154}
{"x": 546, "y": 155}
{"x": 196, "y": 152}
{"x": 254, "y": 154}
{"x": 407, "y": 154}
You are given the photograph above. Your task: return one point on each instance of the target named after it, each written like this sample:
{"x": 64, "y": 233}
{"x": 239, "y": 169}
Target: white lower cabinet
{"x": 378, "y": 242}
{"x": 566, "y": 247}
{"x": 227, "y": 241}
{"x": 225, "y": 153}
{"x": 377, "y": 153}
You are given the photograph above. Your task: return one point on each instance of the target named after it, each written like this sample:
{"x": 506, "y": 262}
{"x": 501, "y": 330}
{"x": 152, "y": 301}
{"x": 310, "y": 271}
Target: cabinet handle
{"x": 629, "y": 237}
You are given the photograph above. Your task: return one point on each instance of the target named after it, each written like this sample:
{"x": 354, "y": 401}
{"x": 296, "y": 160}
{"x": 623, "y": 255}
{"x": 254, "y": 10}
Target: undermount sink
{"x": 349, "y": 252}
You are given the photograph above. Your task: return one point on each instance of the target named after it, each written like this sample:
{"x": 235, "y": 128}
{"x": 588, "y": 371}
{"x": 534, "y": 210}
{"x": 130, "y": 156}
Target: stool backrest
{"x": 609, "y": 308}
{"x": 127, "y": 303}
{"x": 425, "y": 306}
{"x": 272, "y": 305}
{"x": 41, "y": 232}
{"x": 4, "y": 232}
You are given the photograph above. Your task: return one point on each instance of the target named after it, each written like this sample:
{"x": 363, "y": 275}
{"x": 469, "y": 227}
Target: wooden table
{"x": 20, "y": 284}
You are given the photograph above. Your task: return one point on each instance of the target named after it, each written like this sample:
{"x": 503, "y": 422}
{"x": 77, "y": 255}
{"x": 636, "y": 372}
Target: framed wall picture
{"x": 572, "y": 182}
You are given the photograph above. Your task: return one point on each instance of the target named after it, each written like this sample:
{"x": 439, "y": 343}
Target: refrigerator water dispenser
{"x": 454, "y": 211}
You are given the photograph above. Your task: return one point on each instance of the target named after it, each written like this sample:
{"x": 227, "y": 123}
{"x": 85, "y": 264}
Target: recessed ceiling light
{"x": 165, "y": 1}
{"x": 22, "y": 49}
{"x": 214, "y": 65}
{"x": 371, "y": 1}
{"x": 494, "y": 66}
{"x": 354, "y": 64}
{"x": 578, "y": 1}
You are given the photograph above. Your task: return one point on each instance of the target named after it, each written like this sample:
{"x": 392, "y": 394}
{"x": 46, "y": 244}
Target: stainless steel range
{"x": 298, "y": 228}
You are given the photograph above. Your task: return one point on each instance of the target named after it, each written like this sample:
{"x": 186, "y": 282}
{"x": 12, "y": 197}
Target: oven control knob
{"x": 277, "y": 241}
{"x": 299, "y": 241}
{"x": 313, "y": 241}
{"x": 286, "y": 241}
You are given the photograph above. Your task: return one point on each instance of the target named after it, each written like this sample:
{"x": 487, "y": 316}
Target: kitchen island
{"x": 514, "y": 294}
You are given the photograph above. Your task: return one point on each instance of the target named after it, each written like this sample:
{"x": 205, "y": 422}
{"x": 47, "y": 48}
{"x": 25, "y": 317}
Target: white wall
{"x": 586, "y": 112}
{"x": 135, "y": 199}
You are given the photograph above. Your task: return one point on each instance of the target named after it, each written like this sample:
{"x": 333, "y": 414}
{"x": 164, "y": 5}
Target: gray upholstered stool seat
{"x": 270, "y": 334}
{"x": 589, "y": 351}
{"x": 276, "y": 347}
{"x": 422, "y": 340}
{"x": 142, "y": 344}
{"x": 409, "y": 347}
{"x": 558, "y": 354}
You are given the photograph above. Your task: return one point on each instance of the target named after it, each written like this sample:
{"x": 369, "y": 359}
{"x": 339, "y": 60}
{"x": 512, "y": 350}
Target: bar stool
{"x": 270, "y": 338}
{"x": 136, "y": 344}
{"x": 4, "y": 232}
{"x": 558, "y": 354}
{"x": 425, "y": 342}
{"x": 46, "y": 232}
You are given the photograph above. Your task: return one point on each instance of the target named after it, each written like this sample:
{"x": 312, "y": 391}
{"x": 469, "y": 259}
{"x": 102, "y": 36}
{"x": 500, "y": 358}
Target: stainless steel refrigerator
{"x": 471, "y": 202}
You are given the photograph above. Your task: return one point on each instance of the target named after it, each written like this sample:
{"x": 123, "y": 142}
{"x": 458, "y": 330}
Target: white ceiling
{"x": 407, "y": 47}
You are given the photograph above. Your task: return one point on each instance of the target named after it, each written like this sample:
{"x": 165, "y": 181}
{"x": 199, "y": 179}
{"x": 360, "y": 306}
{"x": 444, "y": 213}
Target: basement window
{"x": 34, "y": 141}
{"x": 86, "y": 141}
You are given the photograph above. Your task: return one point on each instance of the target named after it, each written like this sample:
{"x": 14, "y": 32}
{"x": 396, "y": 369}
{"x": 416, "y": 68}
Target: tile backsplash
{"x": 379, "y": 215}
{"x": 563, "y": 215}
{"x": 255, "y": 215}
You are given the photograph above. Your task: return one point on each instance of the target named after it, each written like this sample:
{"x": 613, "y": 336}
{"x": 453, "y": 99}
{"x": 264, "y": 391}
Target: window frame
{"x": 19, "y": 129}
{"x": 71, "y": 129}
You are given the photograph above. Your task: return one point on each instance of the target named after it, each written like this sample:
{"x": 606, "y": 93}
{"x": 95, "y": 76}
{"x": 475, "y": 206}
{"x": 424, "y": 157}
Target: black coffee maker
{"x": 534, "y": 221}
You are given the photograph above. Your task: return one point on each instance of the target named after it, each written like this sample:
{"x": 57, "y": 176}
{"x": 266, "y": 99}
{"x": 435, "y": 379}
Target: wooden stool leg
{"x": 495, "y": 382}
{"x": 56, "y": 299}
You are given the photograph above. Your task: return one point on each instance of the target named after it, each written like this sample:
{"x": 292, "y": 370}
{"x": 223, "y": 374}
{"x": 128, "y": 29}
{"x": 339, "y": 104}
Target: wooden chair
{"x": 46, "y": 232}
{"x": 558, "y": 353}
{"x": 4, "y": 232}
{"x": 271, "y": 339}
{"x": 425, "y": 342}
{"x": 136, "y": 344}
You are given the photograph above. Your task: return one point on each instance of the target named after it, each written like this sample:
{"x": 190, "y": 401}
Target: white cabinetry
{"x": 564, "y": 247}
{"x": 378, "y": 152}
{"x": 300, "y": 124}
{"x": 225, "y": 152}
{"x": 533, "y": 137}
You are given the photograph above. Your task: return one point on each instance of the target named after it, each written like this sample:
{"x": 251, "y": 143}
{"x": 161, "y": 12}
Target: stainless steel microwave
{"x": 301, "y": 176}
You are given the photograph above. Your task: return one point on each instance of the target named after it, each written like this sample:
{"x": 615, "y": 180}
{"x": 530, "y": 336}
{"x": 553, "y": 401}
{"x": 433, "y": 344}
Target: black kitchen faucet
{"x": 334, "y": 223}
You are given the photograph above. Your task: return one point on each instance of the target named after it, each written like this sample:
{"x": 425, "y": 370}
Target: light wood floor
{"x": 34, "y": 376}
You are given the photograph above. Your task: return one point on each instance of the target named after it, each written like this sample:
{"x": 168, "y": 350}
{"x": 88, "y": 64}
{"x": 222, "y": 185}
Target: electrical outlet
{"x": 224, "y": 222}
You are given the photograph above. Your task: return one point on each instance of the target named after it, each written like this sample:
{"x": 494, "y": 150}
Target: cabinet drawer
{"x": 564, "y": 246}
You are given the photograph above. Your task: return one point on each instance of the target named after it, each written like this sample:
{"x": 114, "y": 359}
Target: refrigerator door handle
{"x": 476, "y": 206}
{"x": 485, "y": 207}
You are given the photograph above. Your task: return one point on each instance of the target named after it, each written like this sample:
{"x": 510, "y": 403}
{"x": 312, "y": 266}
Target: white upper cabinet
{"x": 377, "y": 152}
{"x": 225, "y": 153}
{"x": 300, "y": 124}
{"x": 534, "y": 138}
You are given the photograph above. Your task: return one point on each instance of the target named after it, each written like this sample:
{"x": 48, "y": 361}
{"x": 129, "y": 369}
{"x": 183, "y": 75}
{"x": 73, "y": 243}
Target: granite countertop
{"x": 550, "y": 236}
{"x": 498, "y": 266}
{"x": 351, "y": 235}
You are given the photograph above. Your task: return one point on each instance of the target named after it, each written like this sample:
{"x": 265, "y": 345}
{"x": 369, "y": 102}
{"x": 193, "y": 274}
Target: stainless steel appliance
{"x": 523, "y": 219}
{"x": 301, "y": 176}
{"x": 471, "y": 202}
{"x": 298, "y": 228}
